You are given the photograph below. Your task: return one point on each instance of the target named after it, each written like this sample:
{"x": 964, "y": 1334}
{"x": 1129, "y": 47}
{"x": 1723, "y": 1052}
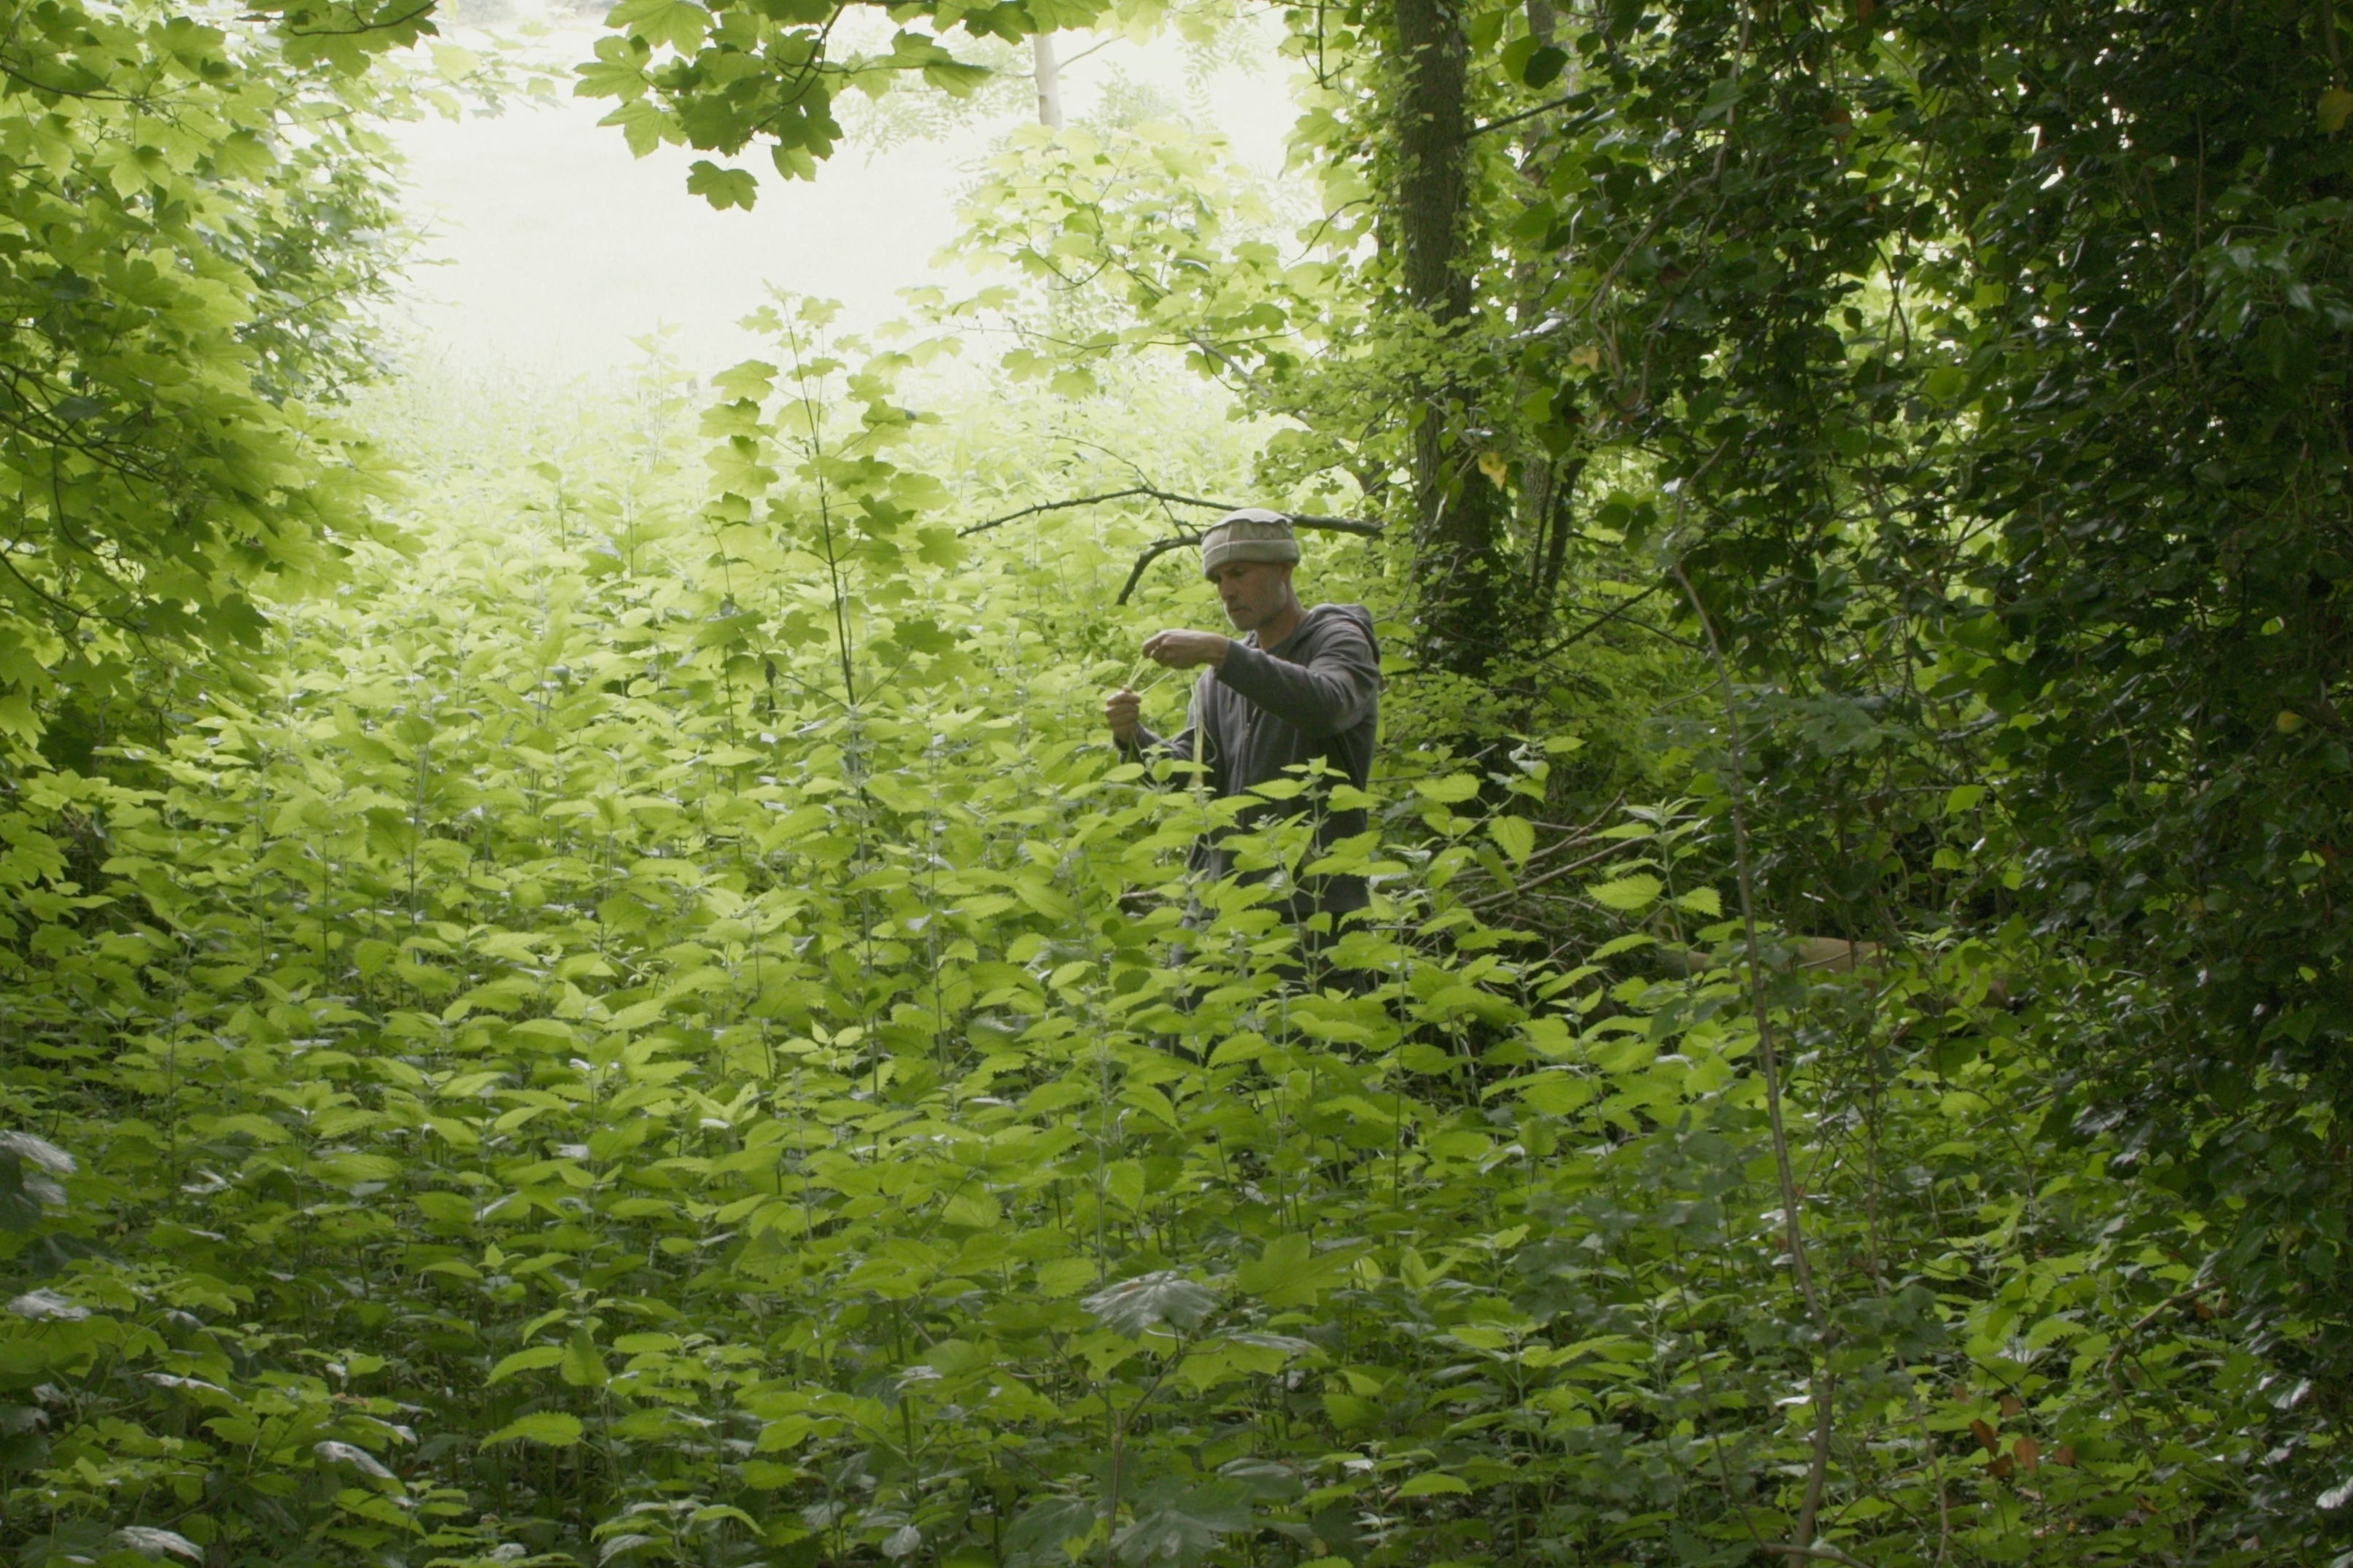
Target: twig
{"x": 1578, "y": 123}
{"x": 1161, "y": 547}
{"x": 1298, "y": 519}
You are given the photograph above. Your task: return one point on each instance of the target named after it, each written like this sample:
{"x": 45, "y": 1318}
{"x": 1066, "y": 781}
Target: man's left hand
{"x": 1175, "y": 649}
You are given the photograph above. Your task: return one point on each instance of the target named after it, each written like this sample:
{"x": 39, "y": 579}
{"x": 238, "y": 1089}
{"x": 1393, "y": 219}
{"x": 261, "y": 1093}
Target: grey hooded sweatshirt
{"x": 1314, "y": 694}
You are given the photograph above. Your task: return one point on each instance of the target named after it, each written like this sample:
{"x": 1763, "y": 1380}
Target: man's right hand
{"x": 1122, "y": 711}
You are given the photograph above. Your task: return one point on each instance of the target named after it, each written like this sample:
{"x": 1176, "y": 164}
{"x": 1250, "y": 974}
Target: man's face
{"x": 1254, "y": 591}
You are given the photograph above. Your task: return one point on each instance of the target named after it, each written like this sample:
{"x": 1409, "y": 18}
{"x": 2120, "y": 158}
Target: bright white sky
{"x": 552, "y": 249}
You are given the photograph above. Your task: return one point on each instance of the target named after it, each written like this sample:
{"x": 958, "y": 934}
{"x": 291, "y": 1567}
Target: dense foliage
{"x": 557, "y": 1075}
{"x": 647, "y": 1025}
{"x": 194, "y": 230}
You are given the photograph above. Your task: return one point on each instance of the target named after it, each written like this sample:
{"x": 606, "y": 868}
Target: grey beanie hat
{"x": 1253, "y": 533}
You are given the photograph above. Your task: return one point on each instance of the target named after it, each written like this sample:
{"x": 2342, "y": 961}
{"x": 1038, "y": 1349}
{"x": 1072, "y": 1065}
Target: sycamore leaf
{"x": 38, "y": 1151}
{"x": 351, "y": 1453}
{"x": 149, "y": 1541}
{"x": 1044, "y": 1531}
{"x": 1289, "y": 1273}
{"x": 723, "y": 188}
{"x": 1134, "y": 1307}
{"x": 1176, "y": 1522}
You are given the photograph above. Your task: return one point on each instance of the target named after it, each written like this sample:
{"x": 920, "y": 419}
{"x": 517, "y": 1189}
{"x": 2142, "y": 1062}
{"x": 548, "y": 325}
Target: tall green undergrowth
{"x": 657, "y": 1031}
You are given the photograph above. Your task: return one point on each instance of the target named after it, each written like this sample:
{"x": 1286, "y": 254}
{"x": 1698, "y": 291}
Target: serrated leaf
{"x": 1289, "y": 1273}
{"x": 1700, "y": 902}
{"x": 1626, "y": 894}
{"x": 583, "y": 1366}
{"x": 723, "y": 188}
{"x": 1516, "y": 836}
{"x": 1043, "y": 1532}
{"x": 531, "y": 1360}
{"x": 1434, "y": 1483}
{"x": 552, "y": 1428}
{"x": 1180, "y": 1523}
{"x": 1135, "y": 1307}
{"x": 38, "y": 1151}
{"x": 352, "y": 1454}
{"x": 149, "y": 1541}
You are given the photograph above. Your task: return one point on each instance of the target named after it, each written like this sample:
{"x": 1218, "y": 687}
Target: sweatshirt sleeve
{"x": 1330, "y": 693}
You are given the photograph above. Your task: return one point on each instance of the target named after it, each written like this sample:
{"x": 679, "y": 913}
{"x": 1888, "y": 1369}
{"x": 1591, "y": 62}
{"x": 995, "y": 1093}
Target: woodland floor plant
{"x": 657, "y": 1031}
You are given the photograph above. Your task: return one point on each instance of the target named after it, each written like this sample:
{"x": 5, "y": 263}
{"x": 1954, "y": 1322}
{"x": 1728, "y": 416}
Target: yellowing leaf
{"x": 2336, "y": 105}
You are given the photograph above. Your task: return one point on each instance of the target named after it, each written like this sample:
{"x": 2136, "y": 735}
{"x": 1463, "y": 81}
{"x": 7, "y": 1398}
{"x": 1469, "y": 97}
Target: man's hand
{"x": 1121, "y": 711}
{"x": 1183, "y": 650}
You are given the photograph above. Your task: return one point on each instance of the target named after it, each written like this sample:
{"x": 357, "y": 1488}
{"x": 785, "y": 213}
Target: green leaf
{"x": 1516, "y": 836}
{"x": 1289, "y": 1273}
{"x": 583, "y": 1365}
{"x": 1135, "y": 1307}
{"x": 1434, "y": 1483}
{"x": 524, "y": 1361}
{"x": 1042, "y": 1533}
{"x": 1451, "y": 790}
{"x": 149, "y": 1540}
{"x": 1178, "y": 1522}
{"x": 723, "y": 188}
{"x": 552, "y": 1428}
{"x": 1626, "y": 894}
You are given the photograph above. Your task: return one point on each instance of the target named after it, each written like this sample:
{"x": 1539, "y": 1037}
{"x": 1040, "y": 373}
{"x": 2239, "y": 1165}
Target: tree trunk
{"x": 1049, "y": 79}
{"x": 1458, "y": 509}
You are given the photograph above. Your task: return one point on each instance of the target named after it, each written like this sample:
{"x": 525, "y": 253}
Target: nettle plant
{"x": 658, "y": 1032}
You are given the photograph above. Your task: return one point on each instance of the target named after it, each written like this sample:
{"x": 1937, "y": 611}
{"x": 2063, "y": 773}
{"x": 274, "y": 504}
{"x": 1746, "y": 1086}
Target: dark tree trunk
{"x": 1459, "y": 510}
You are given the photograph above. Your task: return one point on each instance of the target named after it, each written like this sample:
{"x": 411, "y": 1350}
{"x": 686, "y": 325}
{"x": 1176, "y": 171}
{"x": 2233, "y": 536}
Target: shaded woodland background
{"x": 580, "y": 985}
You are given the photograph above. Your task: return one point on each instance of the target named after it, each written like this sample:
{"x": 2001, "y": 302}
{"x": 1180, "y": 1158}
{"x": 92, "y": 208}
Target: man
{"x": 1298, "y": 685}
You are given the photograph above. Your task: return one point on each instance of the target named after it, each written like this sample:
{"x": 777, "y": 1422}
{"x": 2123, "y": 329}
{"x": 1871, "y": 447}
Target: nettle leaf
{"x": 581, "y": 1365}
{"x": 1516, "y": 836}
{"x": 552, "y": 1428}
{"x": 1626, "y": 894}
{"x": 1434, "y": 1483}
{"x": 1451, "y": 790}
{"x": 524, "y": 1361}
{"x": 1136, "y": 1306}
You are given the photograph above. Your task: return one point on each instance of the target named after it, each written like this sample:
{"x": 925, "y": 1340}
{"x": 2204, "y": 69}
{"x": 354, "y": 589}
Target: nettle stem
{"x": 1821, "y": 1383}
